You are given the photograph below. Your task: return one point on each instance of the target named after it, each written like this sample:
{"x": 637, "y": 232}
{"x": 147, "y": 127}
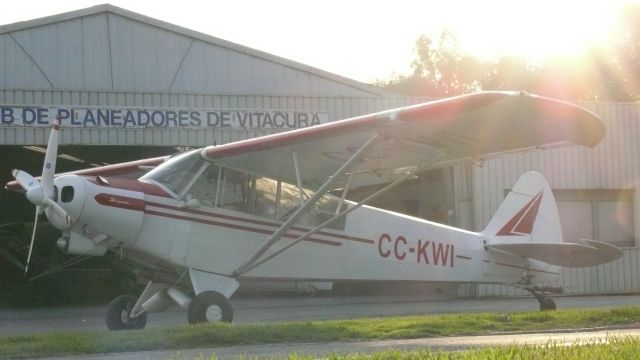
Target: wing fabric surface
{"x": 439, "y": 132}
{"x": 583, "y": 253}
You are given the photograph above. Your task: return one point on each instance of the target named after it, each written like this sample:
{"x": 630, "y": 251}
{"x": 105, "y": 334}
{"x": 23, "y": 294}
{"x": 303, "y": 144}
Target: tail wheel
{"x": 118, "y": 315}
{"x": 209, "y": 306}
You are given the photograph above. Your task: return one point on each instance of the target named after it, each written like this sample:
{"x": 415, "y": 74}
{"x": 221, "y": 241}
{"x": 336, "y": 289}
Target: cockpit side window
{"x": 177, "y": 173}
{"x": 224, "y": 188}
{"x": 205, "y": 187}
{"x": 219, "y": 187}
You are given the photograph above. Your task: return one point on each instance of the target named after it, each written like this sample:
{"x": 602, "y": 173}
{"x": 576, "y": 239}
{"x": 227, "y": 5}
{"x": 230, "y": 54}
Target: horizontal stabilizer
{"x": 580, "y": 254}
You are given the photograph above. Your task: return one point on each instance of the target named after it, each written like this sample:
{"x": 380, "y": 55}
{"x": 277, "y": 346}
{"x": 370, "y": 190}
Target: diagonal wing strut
{"x": 410, "y": 173}
{"x": 338, "y": 215}
{"x": 305, "y": 206}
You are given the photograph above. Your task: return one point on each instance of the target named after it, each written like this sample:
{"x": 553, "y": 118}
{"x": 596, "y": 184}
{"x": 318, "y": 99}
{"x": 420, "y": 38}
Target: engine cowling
{"x": 104, "y": 215}
{"x": 78, "y": 244}
{"x": 114, "y": 211}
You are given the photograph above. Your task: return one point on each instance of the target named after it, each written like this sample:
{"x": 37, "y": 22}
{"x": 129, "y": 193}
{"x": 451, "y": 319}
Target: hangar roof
{"x": 108, "y": 48}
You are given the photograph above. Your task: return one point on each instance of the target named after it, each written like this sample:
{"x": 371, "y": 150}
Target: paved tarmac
{"x": 250, "y": 310}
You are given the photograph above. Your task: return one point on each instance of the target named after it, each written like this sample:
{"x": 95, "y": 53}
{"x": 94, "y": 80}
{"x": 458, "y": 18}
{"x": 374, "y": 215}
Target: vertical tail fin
{"x": 528, "y": 213}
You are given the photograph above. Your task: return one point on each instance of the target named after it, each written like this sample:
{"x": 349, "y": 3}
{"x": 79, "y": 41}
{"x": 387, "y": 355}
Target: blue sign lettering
{"x": 110, "y": 117}
{"x": 6, "y": 114}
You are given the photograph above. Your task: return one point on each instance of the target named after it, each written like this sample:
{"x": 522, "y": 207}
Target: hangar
{"x": 120, "y": 78}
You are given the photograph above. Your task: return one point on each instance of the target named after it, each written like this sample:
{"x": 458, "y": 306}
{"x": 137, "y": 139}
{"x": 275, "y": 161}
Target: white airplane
{"x": 261, "y": 208}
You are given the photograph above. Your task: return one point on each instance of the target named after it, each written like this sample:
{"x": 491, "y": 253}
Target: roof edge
{"x": 108, "y": 8}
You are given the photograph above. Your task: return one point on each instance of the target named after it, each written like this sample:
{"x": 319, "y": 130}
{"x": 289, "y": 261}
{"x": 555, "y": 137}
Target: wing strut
{"x": 410, "y": 173}
{"x": 298, "y": 178}
{"x": 62, "y": 266}
{"x": 306, "y": 206}
{"x": 344, "y": 193}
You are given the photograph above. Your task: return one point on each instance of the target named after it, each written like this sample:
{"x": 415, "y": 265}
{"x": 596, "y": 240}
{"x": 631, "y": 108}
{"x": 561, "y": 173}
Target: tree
{"x": 506, "y": 73}
{"x": 438, "y": 70}
{"x": 620, "y": 73}
{"x": 601, "y": 74}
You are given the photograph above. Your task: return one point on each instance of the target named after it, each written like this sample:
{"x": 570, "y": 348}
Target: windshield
{"x": 178, "y": 172}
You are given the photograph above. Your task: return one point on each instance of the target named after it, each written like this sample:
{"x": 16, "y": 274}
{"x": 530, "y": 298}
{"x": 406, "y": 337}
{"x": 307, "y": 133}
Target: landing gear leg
{"x": 119, "y": 314}
{"x": 542, "y": 295}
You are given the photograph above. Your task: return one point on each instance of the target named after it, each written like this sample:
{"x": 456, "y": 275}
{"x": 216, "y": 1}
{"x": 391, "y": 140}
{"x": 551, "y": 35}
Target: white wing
{"x": 437, "y": 133}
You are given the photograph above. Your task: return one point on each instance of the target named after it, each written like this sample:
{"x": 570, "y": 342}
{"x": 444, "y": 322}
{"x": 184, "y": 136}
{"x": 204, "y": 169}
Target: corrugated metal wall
{"x": 107, "y": 48}
{"x": 612, "y": 164}
{"x": 337, "y": 108}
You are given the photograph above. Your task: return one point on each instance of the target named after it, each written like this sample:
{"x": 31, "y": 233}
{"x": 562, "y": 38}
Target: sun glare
{"x": 538, "y": 31}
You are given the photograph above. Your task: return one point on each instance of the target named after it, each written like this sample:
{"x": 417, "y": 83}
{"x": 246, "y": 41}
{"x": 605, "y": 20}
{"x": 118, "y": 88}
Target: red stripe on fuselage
{"x": 238, "y": 227}
{"x": 124, "y": 202}
{"x": 257, "y": 222}
{"x": 151, "y": 189}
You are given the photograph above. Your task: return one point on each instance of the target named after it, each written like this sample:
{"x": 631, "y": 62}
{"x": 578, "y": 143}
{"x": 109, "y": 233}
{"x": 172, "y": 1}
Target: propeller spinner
{"x": 41, "y": 193}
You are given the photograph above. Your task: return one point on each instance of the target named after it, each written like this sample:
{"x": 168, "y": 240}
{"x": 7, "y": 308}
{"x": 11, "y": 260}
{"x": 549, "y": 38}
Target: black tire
{"x": 547, "y": 304}
{"x": 209, "y": 306}
{"x": 118, "y": 314}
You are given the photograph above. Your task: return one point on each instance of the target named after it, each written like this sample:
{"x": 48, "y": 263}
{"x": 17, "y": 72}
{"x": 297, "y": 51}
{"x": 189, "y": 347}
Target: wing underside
{"x": 438, "y": 133}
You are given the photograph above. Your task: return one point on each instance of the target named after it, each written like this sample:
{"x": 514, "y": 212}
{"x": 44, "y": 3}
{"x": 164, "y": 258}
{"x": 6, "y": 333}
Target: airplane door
{"x": 180, "y": 242}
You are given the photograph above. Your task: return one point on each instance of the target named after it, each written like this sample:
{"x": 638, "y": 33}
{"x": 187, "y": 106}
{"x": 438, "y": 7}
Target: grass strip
{"x": 613, "y": 349}
{"x": 216, "y": 335}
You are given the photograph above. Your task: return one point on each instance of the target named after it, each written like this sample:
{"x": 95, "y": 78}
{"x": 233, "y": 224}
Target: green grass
{"x": 214, "y": 335}
{"x": 614, "y": 349}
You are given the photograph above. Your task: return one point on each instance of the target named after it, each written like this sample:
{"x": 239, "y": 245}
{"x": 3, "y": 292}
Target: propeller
{"x": 41, "y": 193}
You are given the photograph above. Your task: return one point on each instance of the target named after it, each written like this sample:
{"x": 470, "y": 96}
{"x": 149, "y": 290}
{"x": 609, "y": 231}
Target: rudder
{"x": 528, "y": 214}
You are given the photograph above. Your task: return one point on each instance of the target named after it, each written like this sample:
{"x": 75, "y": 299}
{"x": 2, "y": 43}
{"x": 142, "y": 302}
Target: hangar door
{"x": 603, "y": 215}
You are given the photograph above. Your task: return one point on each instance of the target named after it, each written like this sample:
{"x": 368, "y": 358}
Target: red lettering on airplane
{"x": 427, "y": 252}
{"x": 398, "y": 255}
{"x": 422, "y": 251}
{"x": 384, "y": 237}
{"x": 440, "y": 255}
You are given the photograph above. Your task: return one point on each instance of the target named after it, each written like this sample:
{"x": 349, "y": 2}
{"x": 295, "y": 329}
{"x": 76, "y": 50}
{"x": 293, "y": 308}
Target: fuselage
{"x": 215, "y": 219}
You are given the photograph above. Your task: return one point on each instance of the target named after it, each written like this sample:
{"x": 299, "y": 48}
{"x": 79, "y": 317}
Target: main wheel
{"x": 547, "y": 304}
{"x": 209, "y": 306}
{"x": 118, "y": 314}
